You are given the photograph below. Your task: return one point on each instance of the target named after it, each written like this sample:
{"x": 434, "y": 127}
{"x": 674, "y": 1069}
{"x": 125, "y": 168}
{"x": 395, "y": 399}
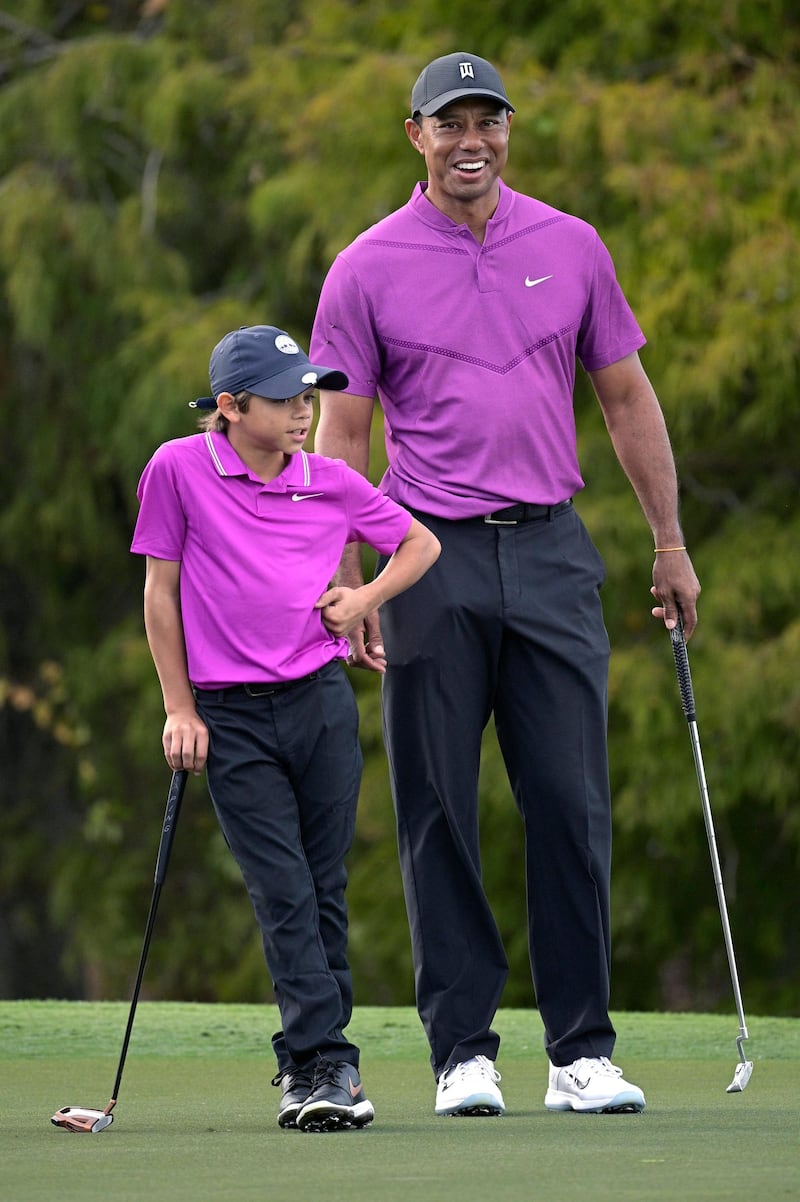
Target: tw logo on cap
{"x": 466, "y": 70}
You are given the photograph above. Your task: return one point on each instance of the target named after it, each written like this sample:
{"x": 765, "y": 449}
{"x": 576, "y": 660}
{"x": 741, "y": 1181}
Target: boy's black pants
{"x": 284, "y": 771}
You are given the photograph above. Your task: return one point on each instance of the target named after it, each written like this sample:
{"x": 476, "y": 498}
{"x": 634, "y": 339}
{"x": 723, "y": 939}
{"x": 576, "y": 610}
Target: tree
{"x": 170, "y": 171}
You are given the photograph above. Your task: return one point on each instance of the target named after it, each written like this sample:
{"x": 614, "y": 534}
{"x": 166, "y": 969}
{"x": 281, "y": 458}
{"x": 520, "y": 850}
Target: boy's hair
{"x": 218, "y": 421}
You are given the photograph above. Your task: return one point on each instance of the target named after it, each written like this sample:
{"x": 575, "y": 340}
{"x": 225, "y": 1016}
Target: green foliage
{"x": 170, "y": 171}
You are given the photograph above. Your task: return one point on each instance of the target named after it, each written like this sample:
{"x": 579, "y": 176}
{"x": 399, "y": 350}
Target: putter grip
{"x": 174, "y": 799}
{"x": 682, "y": 669}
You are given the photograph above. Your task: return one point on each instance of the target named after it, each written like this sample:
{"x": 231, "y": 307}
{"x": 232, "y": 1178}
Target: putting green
{"x": 196, "y": 1116}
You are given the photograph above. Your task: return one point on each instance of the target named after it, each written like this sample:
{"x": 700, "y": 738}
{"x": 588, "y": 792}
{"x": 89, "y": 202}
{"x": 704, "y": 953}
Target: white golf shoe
{"x": 592, "y": 1085}
{"x": 470, "y": 1088}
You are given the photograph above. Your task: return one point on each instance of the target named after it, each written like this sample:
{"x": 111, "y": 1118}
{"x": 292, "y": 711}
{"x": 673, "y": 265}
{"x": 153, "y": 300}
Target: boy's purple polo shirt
{"x": 255, "y": 557}
{"x": 471, "y": 348}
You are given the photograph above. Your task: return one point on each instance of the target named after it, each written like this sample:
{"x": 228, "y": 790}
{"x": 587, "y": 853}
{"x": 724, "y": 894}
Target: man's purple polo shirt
{"x": 254, "y": 556}
{"x": 471, "y": 348}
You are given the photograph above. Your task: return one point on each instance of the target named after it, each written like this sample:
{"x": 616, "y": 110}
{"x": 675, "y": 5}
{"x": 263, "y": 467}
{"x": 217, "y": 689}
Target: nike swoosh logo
{"x": 529, "y": 283}
{"x": 304, "y": 496}
{"x": 355, "y": 1087}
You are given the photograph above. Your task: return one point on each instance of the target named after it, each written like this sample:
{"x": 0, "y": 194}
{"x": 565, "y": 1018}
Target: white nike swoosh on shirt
{"x": 303, "y": 496}
{"x": 529, "y": 283}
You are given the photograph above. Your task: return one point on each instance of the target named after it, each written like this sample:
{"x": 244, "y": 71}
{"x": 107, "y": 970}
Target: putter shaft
{"x": 174, "y": 799}
{"x": 80, "y": 1119}
{"x": 745, "y": 1067}
{"x": 718, "y": 882}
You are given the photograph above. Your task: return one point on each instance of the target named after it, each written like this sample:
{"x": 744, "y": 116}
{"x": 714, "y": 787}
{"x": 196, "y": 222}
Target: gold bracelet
{"x": 658, "y": 550}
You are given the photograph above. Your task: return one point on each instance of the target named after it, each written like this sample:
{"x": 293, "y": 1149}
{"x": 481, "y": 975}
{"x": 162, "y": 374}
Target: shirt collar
{"x": 432, "y": 216}
{"x": 227, "y": 463}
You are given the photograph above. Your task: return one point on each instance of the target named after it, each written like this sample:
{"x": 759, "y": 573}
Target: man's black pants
{"x": 508, "y": 621}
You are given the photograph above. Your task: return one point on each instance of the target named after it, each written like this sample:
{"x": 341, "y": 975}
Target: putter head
{"x": 740, "y": 1077}
{"x": 81, "y": 1121}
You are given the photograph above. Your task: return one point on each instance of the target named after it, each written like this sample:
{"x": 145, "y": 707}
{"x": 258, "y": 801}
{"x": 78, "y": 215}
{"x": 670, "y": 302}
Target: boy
{"x": 243, "y": 531}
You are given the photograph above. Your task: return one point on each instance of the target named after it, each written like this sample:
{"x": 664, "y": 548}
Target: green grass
{"x": 196, "y": 1116}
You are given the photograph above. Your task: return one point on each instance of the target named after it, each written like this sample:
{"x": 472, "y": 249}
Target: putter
{"x": 745, "y": 1067}
{"x": 79, "y": 1119}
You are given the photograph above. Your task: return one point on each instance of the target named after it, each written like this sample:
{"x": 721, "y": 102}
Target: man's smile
{"x": 471, "y": 165}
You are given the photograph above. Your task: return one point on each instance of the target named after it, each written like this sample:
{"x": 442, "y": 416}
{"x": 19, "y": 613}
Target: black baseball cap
{"x": 266, "y": 361}
{"x": 452, "y": 77}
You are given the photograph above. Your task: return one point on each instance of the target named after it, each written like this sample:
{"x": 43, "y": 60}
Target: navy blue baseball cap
{"x": 453, "y": 77}
{"x": 266, "y": 361}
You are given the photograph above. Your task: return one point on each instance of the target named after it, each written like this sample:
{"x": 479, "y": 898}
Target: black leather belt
{"x": 265, "y": 689}
{"x": 515, "y": 514}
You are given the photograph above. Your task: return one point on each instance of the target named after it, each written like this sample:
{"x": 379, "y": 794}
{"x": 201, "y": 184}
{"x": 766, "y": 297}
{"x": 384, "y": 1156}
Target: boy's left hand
{"x": 341, "y": 609}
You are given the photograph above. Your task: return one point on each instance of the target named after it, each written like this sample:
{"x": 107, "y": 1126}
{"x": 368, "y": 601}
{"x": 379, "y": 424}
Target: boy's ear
{"x": 226, "y": 403}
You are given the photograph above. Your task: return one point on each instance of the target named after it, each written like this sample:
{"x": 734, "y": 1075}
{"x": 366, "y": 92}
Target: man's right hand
{"x": 366, "y": 646}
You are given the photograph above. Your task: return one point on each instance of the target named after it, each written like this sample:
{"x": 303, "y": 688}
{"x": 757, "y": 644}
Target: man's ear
{"x": 414, "y": 132}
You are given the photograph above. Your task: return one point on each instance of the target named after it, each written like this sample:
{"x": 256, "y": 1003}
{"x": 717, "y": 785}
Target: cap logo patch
{"x": 466, "y": 70}
{"x": 286, "y": 345}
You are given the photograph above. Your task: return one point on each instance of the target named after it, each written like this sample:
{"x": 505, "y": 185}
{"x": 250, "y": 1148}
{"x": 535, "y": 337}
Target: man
{"x": 465, "y": 312}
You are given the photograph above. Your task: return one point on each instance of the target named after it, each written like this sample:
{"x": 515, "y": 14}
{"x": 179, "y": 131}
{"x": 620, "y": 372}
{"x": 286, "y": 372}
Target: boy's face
{"x": 267, "y": 426}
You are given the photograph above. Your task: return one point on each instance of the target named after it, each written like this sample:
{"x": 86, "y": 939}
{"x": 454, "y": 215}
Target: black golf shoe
{"x": 337, "y": 1100}
{"x": 295, "y": 1086}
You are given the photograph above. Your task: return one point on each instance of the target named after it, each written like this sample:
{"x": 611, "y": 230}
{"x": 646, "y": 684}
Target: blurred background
{"x": 171, "y": 170}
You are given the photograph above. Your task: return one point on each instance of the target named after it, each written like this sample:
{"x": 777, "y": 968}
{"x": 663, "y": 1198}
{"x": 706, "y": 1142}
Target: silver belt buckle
{"x": 490, "y": 521}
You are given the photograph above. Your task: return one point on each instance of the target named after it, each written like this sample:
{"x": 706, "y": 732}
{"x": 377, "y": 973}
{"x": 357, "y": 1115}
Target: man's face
{"x": 465, "y": 147}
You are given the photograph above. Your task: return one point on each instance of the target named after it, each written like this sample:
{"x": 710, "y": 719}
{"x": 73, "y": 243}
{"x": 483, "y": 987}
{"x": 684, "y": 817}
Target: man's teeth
{"x": 472, "y": 166}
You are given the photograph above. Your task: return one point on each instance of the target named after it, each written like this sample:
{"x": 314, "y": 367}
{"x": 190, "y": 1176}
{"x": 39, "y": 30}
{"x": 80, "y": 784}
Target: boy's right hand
{"x": 185, "y": 741}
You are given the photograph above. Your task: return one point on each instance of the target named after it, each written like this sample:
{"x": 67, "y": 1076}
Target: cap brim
{"x": 288, "y": 384}
{"x": 297, "y": 379}
{"x": 439, "y": 102}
